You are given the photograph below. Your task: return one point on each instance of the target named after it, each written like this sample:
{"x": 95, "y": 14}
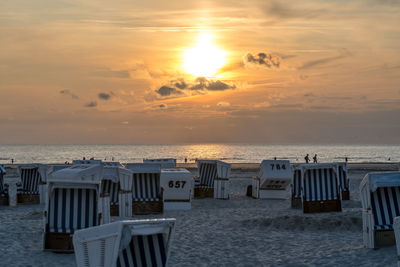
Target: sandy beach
{"x": 238, "y": 232}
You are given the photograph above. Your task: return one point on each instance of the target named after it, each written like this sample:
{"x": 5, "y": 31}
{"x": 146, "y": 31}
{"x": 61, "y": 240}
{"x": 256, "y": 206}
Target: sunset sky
{"x": 128, "y": 71}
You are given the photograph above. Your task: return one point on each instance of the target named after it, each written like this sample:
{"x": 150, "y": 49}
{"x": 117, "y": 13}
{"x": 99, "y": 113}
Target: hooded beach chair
{"x": 125, "y": 244}
{"x": 73, "y": 203}
{"x": 3, "y": 187}
{"x": 380, "y": 199}
{"x": 320, "y": 191}
{"x": 117, "y": 185}
{"x": 147, "y": 193}
{"x": 296, "y": 189}
{"x": 30, "y": 189}
{"x": 343, "y": 180}
{"x": 177, "y": 185}
{"x": 213, "y": 180}
{"x": 273, "y": 180}
{"x": 166, "y": 163}
{"x": 396, "y": 228}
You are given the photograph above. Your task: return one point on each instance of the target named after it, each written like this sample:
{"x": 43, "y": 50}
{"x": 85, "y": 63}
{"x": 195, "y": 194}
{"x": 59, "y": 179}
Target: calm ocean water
{"x": 228, "y": 152}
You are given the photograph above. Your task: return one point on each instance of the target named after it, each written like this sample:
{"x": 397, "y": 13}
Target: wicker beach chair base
{"x": 59, "y": 242}
{"x": 345, "y": 195}
{"x": 4, "y": 201}
{"x": 147, "y": 207}
{"x": 384, "y": 238}
{"x": 322, "y": 206}
{"x": 204, "y": 192}
{"x": 28, "y": 198}
{"x": 114, "y": 210}
{"x": 296, "y": 203}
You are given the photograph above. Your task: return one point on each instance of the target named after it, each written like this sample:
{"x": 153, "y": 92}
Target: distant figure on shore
{"x": 12, "y": 161}
{"x": 307, "y": 158}
{"x": 274, "y": 158}
{"x": 112, "y": 158}
{"x": 315, "y": 158}
{"x": 346, "y": 159}
{"x": 185, "y": 160}
{"x": 83, "y": 158}
{"x": 92, "y": 158}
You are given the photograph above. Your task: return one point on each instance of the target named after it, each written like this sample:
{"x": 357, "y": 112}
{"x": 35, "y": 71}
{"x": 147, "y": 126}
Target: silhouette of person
{"x": 83, "y": 158}
{"x": 346, "y": 159}
{"x": 274, "y": 158}
{"x": 307, "y": 158}
{"x": 315, "y": 158}
{"x": 185, "y": 160}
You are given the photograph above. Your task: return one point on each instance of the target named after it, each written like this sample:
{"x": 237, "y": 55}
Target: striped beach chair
{"x": 296, "y": 189}
{"x": 3, "y": 188}
{"x": 343, "y": 180}
{"x": 72, "y": 204}
{"x": 380, "y": 199}
{"x": 396, "y": 229}
{"x": 125, "y": 243}
{"x": 147, "y": 193}
{"x": 28, "y": 188}
{"x": 213, "y": 180}
{"x": 319, "y": 188}
{"x": 117, "y": 185}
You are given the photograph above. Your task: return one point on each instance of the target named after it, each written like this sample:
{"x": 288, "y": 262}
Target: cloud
{"x": 198, "y": 86}
{"x": 104, "y": 96}
{"x": 68, "y": 93}
{"x": 282, "y": 10}
{"x": 202, "y": 83}
{"x": 309, "y": 64}
{"x": 168, "y": 91}
{"x": 91, "y": 104}
{"x": 113, "y": 73}
{"x": 268, "y": 60}
{"x": 223, "y": 104}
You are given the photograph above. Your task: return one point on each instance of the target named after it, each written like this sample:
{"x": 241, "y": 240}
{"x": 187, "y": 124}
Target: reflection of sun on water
{"x": 205, "y": 58}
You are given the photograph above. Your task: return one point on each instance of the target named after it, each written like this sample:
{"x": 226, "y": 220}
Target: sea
{"x": 233, "y": 153}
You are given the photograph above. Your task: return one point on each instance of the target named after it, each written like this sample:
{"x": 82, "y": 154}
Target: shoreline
{"x": 253, "y": 167}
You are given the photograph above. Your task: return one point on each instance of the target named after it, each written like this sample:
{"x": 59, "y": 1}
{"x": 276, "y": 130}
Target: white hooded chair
{"x": 125, "y": 243}
{"x": 73, "y": 203}
{"x": 3, "y": 188}
{"x": 147, "y": 192}
{"x": 380, "y": 199}
{"x": 213, "y": 179}
{"x": 273, "y": 180}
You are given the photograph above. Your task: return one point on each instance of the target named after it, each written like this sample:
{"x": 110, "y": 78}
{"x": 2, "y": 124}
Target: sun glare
{"x": 204, "y": 59}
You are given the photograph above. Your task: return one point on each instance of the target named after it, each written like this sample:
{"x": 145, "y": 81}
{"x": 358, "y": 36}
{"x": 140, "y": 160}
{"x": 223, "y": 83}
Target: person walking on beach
{"x": 315, "y": 158}
{"x": 307, "y": 158}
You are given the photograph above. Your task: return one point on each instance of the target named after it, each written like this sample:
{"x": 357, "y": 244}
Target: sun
{"x": 205, "y": 58}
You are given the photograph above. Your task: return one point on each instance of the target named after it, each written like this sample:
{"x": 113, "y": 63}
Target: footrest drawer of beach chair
{"x": 59, "y": 242}
{"x": 296, "y": 203}
{"x": 204, "y": 192}
{"x": 322, "y": 206}
{"x": 147, "y": 207}
{"x": 28, "y": 198}
{"x": 384, "y": 238}
{"x": 345, "y": 195}
{"x": 114, "y": 210}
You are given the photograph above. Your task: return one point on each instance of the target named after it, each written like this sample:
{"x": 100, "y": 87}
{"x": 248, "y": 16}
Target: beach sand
{"x": 238, "y": 232}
